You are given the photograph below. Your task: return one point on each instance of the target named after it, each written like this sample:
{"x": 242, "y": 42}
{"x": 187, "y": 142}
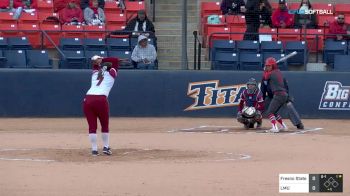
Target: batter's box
{"x": 290, "y": 131}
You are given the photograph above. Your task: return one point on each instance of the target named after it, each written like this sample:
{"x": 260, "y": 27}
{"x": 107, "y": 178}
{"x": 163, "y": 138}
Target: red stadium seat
{"x": 45, "y": 6}
{"x": 269, "y": 31}
{"x": 53, "y": 31}
{"x": 115, "y": 19}
{"x": 32, "y": 32}
{"x": 236, "y": 20}
{"x": 205, "y": 25}
{"x": 240, "y": 30}
{"x": 111, "y": 7}
{"x": 43, "y": 16}
{"x": 274, "y": 5}
{"x": 29, "y": 18}
{"x": 209, "y": 8}
{"x": 289, "y": 35}
{"x": 7, "y": 18}
{"x": 323, "y": 21}
{"x": 212, "y": 36}
{"x": 311, "y": 39}
{"x": 293, "y": 6}
{"x": 73, "y": 31}
{"x": 342, "y": 8}
{"x": 132, "y": 7}
{"x": 9, "y": 30}
{"x": 98, "y": 31}
{"x": 323, "y": 6}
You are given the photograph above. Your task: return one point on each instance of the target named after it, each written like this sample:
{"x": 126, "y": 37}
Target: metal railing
{"x": 195, "y": 56}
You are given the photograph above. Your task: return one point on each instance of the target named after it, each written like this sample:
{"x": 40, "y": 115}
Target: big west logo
{"x": 335, "y": 96}
{"x": 208, "y": 94}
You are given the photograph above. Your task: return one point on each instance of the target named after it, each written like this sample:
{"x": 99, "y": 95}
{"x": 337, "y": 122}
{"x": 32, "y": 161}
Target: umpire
{"x": 252, "y": 19}
{"x": 275, "y": 86}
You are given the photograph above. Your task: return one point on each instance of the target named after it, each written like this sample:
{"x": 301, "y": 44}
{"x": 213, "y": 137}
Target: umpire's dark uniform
{"x": 252, "y": 19}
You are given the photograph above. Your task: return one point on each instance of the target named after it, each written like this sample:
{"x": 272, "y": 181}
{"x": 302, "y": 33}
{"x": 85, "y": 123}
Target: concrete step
{"x": 177, "y": 6}
{"x": 176, "y": 18}
{"x": 173, "y": 38}
{"x": 174, "y": 25}
{"x": 161, "y": 13}
{"x": 164, "y": 31}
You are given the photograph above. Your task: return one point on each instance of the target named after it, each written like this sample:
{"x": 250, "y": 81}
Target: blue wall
{"x": 136, "y": 93}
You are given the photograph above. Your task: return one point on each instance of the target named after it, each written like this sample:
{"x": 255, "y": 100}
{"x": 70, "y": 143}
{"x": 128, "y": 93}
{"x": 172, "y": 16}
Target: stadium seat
{"x": 73, "y": 60}
{"x": 95, "y": 31}
{"x": 235, "y": 20}
{"x": 274, "y": 5}
{"x": 225, "y": 61}
{"x": 45, "y": 6}
{"x": 269, "y": 31}
{"x": 42, "y": 16}
{"x": 282, "y": 65}
{"x": 15, "y": 58}
{"x": 301, "y": 48}
{"x": 215, "y": 33}
{"x": 71, "y": 44}
{"x": 73, "y": 31}
{"x": 342, "y": 8}
{"x": 271, "y": 47}
{"x": 237, "y": 33}
{"x": 314, "y": 39}
{"x": 3, "y": 43}
{"x": 118, "y": 44}
{"x": 332, "y": 48}
{"x": 132, "y": 7}
{"x": 222, "y": 46}
{"x": 205, "y": 25}
{"x": 7, "y": 18}
{"x": 325, "y": 20}
{"x": 122, "y": 55}
{"x": 38, "y": 59}
{"x": 341, "y": 63}
{"x": 248, "y": 46}
{"x": 288, "y": 35}
{"x": 90, "y": 53}
{"x": 322, "y": 6}
{"x": 32, "y": 32}
{"x": 94, "y": 44}
{"x": 53, "y": 31}
{"x": 209, "y": 8}
{"x": 19, "y": 43}
{"x": 2, "y": 60}
{"x": 249, "y": 61}
{"x": 112, "y": 7}
{"x": 9, "y": 30}
{"x": 293, "y": 6}
{"x": 29, "y": 18}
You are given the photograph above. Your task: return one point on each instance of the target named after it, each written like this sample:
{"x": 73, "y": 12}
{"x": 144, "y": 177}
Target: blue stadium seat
{"x": 222, "y": 46}
{"x": 15, "y": 58}
{"x": 73, "y": 44}
{"x": 89, "y": 54}
{"x": 225, "y": 61}
{"x": 2, "y": 60}
{"x": 122, "y": 44}
{"x": 248, "y": 61}
{"x": 73, "y": 60}
{"x": 123, "y": 55}
{"x": 3, "y": 43}
{"x": 301, "y": 48}
{"x": 332, "y": 48}
{"x": 248, "y": 46}
{"x": 39, "y": 59}
{"x": 282, "y": 65}
{"x": 341, "y": 62}
{"x": 271, "y": 47}
{"x": 19, "y": 43}
{"x": 94, "y": 44}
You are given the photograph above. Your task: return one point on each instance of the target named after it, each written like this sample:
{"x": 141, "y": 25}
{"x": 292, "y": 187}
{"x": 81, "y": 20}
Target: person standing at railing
{"x": 94, "y": 15}
{"x": 303, "y": 19}
{"x": 252, "y": 19}
{"x": 232, "y": 7}
{"x": 281, "y": 17}
{"x": 339, "y": 28}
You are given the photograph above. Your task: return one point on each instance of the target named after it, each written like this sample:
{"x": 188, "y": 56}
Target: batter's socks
{"x": 93, "y": 140}
{"x": 273, "y": 122}
{"x": 280, "y": 121}
{"x": 105, "y": 139}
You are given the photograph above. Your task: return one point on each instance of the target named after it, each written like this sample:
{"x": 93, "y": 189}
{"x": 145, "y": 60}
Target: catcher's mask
{"x": 252, "y": 86}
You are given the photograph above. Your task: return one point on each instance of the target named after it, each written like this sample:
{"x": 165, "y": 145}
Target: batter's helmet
{"x": 271, "y": 62}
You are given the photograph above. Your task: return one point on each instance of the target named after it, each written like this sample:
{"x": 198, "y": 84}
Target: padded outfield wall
{"x": 136, "y": 93}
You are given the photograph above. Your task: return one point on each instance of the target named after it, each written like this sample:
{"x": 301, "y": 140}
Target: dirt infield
{"x": 165, "y": 157}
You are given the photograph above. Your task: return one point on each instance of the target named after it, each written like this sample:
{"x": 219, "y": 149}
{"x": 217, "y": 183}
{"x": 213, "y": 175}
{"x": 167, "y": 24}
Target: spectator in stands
{"x": 28, "y": 6}
{"x": 144, "y": 54}
{"x": 86, "y": 3}
{"x": 71, "y": 15}
{"x": 252, "y": 20}
{"x": 58, "y": 5}
{"x": 232, "y": 7}
{"x": 93, "y": 14}
{"x": 281, "y": 18}
{"x": 5, "y": 6}
{"x": 339, "y": 28}
{"x": 265, "y": 13}
{"x": 307, "y": 21}
{"x": 140, "y": 24}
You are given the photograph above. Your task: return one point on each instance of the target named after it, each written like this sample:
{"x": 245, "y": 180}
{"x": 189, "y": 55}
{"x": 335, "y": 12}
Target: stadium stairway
{"x": 169, "y": 30}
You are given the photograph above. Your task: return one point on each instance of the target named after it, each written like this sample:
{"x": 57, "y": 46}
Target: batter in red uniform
{"x": 95, "y": 104}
